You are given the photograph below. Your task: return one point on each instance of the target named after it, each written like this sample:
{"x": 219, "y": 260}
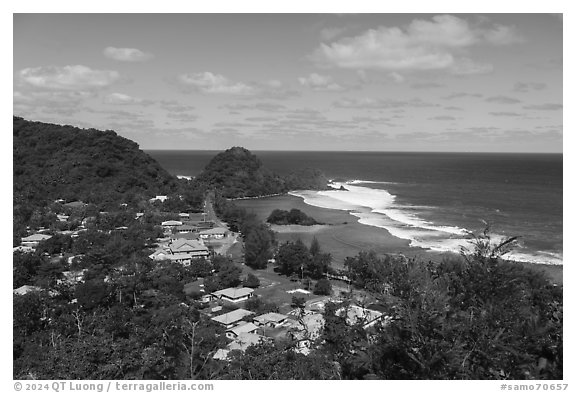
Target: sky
{"x": 362, "y": 82}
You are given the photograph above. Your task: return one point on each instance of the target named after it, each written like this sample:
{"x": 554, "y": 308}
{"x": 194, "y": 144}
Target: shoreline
{"x": 254, "y": 197}
{"x": 342, "y": 235}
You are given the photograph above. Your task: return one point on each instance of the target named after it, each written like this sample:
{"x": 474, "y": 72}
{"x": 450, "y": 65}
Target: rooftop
{"x": 244, "y": 340}
{"x": 233, "y": 293}
{"x": 244, "y": 328}
{"x": 214, "y": 231}
{"x": 186, "y": 236}
{"x": 232, "y": 316}
{"x": 184, "y": 245}
{"x": 171, "y": 223}
{"x": 24, "y": 289}
{"x": 356, "y": 314}
{"x": 186, "y": 227}
{"x": 270, "y": 317}
{"x": 36, "y": 238}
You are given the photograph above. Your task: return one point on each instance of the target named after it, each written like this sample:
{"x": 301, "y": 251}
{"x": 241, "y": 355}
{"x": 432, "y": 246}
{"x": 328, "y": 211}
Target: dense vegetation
{"x": 468, "y": 317}
{"x": 237, "y": 173}
{"x": 292, "y": 217}
{"x": 53, "y": 161}
{"x": 259, "y": 240}
{"x": 99, "y": 168}
{"x": 295, "y": 259}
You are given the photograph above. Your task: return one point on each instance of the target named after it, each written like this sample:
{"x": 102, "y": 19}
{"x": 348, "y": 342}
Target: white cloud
{"x": 210, "y": 83}
{"x": 378, "y": 103}
{"x": 127, "y": 54}
{"x": 501, "y": 35}
{"x": 422, "y": 45}
{"x": 124, "y": 99}
{"x": 396, "y": 77}
{"x": 320, "y": 82}
{"x": 545, "y": 107}
{"x": 329, "y": 33}
{"x": 273, "y": 89}
{"x": 62, "y": 102}
{"x": 426, "y": 85}
{"x": 174, "y": 106}
{"x": 442, "y": 118}
{"x": 71, "y": 77}
{"x": 524, "y": 87}
{"x": 462, "y": 95}
{"x": 506, "y": 114}
{"x": 465, "y": 66}
{"x": 503, "y": 100}
{"x": 261, "y": 106}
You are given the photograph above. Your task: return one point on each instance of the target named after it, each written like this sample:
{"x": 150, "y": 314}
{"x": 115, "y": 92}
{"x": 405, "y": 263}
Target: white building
{"x": 247, "y": 327}
{"x": 34, "y": 240}
{"x": 231, "y": 319}
{"x": 272, "y": 319}
{"x": 234, "y": 295}
{"x": 364, "y": 316}
{"x": 214, "y": 233}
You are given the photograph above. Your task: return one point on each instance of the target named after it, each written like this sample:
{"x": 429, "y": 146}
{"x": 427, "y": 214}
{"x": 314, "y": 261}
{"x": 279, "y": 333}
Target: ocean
{"x": 431, "y": 199}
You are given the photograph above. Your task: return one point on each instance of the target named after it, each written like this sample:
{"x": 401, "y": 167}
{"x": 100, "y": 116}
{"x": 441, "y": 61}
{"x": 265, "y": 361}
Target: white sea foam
{"x": 410, "y": 219}
{"x": 369, "y": 182}
{"x": 544, "y": 257}
{"x": 378, "y": 208}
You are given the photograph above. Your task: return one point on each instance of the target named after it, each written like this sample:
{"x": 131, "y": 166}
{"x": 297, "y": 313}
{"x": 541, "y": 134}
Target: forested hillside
{"x": 53, "y": 161}
{"x": 238, "y": 173}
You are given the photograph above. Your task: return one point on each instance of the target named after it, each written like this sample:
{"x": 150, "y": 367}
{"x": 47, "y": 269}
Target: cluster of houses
{"x": 187, "y": 240}
{"x": 303, "y": 327}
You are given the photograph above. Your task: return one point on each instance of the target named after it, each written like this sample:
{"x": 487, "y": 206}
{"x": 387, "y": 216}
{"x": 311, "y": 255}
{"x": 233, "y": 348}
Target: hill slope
{"x": 53, "y": 161}
{"x": 238, "y": 173}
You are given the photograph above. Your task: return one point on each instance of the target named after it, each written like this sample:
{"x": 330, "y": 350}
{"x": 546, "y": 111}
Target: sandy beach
{"x": 342, "y": 236}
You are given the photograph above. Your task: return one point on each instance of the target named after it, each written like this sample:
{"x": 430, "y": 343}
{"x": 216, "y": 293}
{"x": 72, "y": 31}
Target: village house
{"x": 171, "y": 224}
{"x": 24, "y": 289}
{"x": 356, "y": 314}
{"x": 213, "y": 233}
{"x": 182, "y": 251}
{"x": 160, "y": 255}
{"x": 234, "y": 295}
{"x": 305, "y": 331}
{"x": 231, "y": 319}
{"x": 22, "y": 249}
{"x": 247, "y": 327}
{"x": 73, "y": 276}
{"x": 75, "y": 205}
{"x": 240, "y": 343}
{"x": 183, "y": 259}
{"x": 270, "y": 319}
{"x": 184, "y": 215}
{"x": 185, "y": 228}
{"x": 34, "y": 240}
{"x": 204, "y": 225}
{"x": 197, "y": 217}
{"x": 187, "y": 236}
{"x": 160, "y": 198}
{"x": 194, "y": 248}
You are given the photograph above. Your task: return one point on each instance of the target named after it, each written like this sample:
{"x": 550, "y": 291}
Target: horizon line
{"x": 359, "y": 151}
